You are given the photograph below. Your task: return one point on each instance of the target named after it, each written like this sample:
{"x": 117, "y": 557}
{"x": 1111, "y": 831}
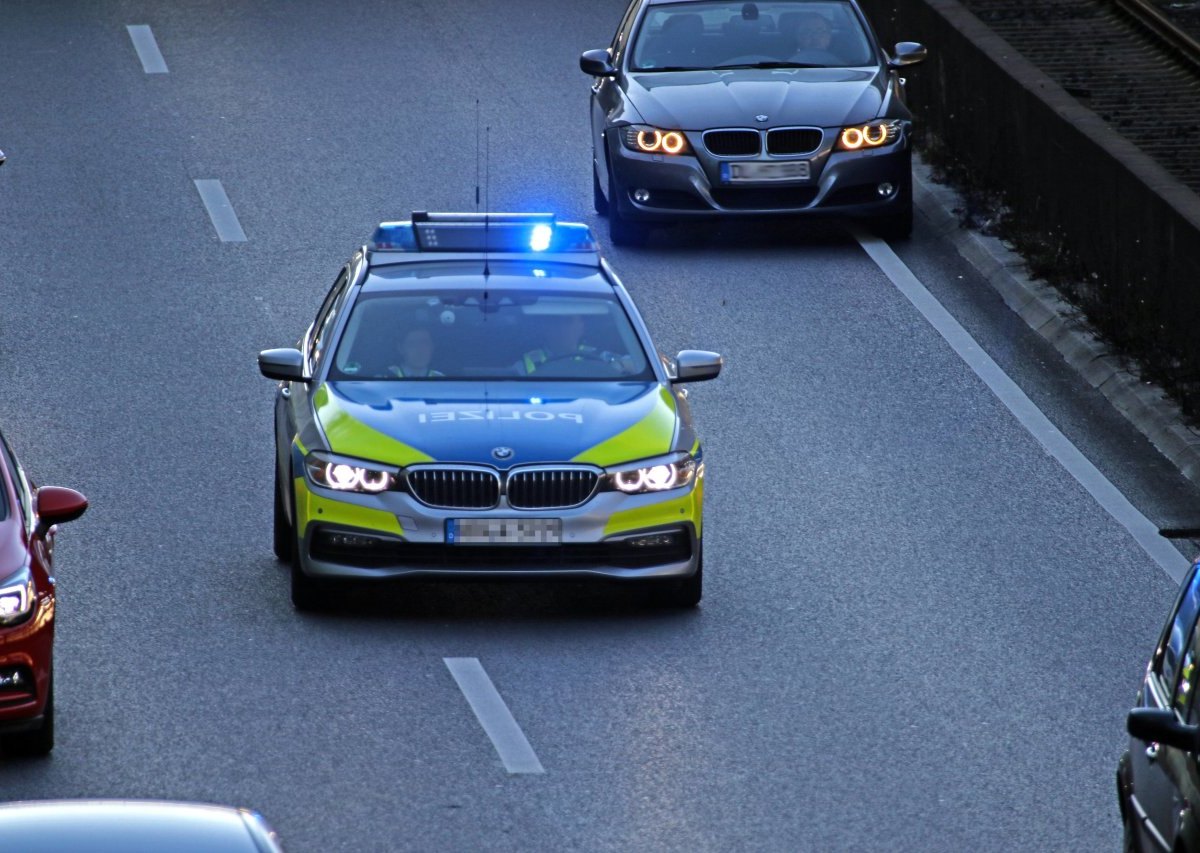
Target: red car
{"x": 27, "y": 519}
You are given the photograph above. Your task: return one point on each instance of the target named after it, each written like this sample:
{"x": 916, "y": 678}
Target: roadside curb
{"x": 1143, "y": 403}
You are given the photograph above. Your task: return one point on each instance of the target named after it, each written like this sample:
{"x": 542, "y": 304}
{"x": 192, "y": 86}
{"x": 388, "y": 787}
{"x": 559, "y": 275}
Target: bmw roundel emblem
{"x": 502, "y": 452}
{"x": 761, "y": 118}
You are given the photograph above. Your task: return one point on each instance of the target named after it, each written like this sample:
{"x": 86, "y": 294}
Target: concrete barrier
{"x": 1130, "y": 232}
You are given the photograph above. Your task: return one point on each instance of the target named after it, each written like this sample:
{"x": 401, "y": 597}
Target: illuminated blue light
{"x": 535, "y": 401}
{"x": 539, "y": 238}
{"x": 539, "y": 273}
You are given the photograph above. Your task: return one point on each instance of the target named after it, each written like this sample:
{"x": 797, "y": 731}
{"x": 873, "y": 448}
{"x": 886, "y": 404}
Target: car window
{"x": 477, "y": 334}
{"x": 1180, "y": 632}
{"x": 621, "y": 38}
{"x": 326, "y": 318}
{"x": 20, "y": 482}
{"x": 823, "y": 33}
{"x": 1186, "y": 683}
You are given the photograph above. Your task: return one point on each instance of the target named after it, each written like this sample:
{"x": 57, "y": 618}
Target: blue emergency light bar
{"x": 505, "y": 233}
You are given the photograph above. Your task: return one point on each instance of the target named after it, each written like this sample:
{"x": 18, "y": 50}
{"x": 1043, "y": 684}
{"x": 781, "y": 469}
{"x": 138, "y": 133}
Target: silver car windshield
{"x": 716, "y": 35}
{"x": 498, "y": 334}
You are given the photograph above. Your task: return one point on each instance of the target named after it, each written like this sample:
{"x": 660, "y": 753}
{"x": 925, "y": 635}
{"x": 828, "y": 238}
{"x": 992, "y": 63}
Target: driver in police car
{"x": 416, "y": 354}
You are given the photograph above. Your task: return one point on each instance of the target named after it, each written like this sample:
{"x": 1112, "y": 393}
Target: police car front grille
{"x": 455, "y": 488}
{"x": 550, "y": 488}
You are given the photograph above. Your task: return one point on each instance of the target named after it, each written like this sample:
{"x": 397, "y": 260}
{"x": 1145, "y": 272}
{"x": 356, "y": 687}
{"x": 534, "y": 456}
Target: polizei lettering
{"x": 488, "y": 415}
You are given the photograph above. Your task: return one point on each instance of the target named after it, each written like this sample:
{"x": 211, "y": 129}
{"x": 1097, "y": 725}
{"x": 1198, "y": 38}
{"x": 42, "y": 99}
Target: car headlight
{"x": 653, "y": 140}
{"x": 16, "y": 597}
{"x": 349, "y": 475}
{"x": 654, "y": 476}
{"x": 871, "y": 135}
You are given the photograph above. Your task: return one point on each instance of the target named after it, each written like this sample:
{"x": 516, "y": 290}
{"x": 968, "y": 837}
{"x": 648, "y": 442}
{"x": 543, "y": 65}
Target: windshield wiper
{"x": 671, "y": 68}
{"x": 771, "y": 64}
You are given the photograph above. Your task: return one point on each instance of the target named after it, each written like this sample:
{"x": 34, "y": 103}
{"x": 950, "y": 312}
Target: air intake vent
{"x": 455, "y": 488}
{"x": 733, "y": 143}
{"x": 549, "y": 488}
{"x": 794, "y": 140}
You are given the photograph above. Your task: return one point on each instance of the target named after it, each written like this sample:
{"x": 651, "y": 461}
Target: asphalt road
{"x": 919, "y": 631}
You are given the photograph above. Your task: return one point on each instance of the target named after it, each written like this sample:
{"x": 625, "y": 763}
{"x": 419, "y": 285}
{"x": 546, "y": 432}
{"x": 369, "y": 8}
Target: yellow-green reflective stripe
{"x": 350, "y": 436}
{"x": 687, "y": 507}
{"x": 651, "y": 436}
{"x": 300, "y": 446}
{"x": 311, "y": 507}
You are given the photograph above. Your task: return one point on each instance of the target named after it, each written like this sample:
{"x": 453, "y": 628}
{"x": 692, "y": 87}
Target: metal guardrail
{"x": 1148, "y": 15}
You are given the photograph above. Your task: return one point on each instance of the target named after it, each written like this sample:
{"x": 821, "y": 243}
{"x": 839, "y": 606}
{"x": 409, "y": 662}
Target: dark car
{"x": 132, "y": 826}
{"x": 706, "y": 108}
{"x": 1158, "y": 783}
{"x": 27, "y": 526}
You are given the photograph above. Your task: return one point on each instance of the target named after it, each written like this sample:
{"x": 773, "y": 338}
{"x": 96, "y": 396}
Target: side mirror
{"x": 56, "y": 505}
{"x": 908, "y": 53}
{"x": 2, "y": 158}
{"x": 597, "y": 63}
{"x": 283, "y": 364}
{"x": 694, "y": 365}
{"x": 1160, "y": 725}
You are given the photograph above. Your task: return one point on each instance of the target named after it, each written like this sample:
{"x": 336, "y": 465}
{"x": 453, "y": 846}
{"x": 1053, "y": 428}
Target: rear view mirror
{"x": 597, "y": 63}
{"x": 56, "y": 505}
{"x": 694, "y": 365}
{"x": 1160, "y": 725}
{"x": 908, "y": 53}
{"x": 286, "y": 364}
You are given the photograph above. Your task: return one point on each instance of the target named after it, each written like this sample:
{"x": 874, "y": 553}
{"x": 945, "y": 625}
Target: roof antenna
{"x": 487, "y": 200}
{"x": 476, "y": 155}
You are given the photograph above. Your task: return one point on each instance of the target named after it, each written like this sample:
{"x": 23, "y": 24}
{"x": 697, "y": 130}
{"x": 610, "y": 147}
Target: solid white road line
{"x": 220, "y": 211}
{"x": 147, "y": 49}
{"x": 1030, "y": 416}
{"x": 510, "y": 742}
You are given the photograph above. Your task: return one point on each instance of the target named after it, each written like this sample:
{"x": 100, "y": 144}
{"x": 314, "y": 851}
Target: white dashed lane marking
{"x": 1024, "y": 409}
{"x": 220, "y": 211}
{"x": 497, "y": 721}
{"x": 147, "y": 49}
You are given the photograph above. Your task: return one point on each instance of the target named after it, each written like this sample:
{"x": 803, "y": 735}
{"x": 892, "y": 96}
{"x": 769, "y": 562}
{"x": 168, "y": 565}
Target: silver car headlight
{"x": 16, "y": 597}
{"x": 653, "y": 475}
{"x": 349, "y": 475}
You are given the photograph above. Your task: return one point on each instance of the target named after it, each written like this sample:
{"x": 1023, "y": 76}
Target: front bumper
{"x": 393, "y": 535}
{"x": 25, "y": 669}
{"x": 842, "y": 183}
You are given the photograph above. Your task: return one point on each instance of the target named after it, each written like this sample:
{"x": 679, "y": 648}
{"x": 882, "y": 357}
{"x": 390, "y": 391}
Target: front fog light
{"x": 641, "y": 196}
{"x": 654, "y": 540}
{"x": 886, "y": 190}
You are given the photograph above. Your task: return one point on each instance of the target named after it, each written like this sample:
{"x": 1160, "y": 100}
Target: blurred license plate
{"x": 793, "y": 170}
{"x": 504, "y": 531}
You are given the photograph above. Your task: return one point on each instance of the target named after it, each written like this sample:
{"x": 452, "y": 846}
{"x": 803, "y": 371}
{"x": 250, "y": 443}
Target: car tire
{"x": 599, "y": 202}
{"x": 34, "y": 743}
{"x": 622, "y": 230}
{"x": 899, "y": 225}
{"x": 683, "y": 594}
{"x": 310, "y": 595}
{"x": 283, "y": 535}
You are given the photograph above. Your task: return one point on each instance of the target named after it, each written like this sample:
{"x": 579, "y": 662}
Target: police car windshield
{"x": 496, "y": 334}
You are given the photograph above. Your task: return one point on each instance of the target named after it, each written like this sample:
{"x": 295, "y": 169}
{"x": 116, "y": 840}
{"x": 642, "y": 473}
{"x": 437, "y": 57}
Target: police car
{"x": 478, "y": 396}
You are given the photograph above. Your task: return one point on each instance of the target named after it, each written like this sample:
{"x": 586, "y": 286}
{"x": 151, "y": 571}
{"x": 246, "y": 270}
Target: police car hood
{"x": 698, "y": 100}
{"x": 497, "y": 423}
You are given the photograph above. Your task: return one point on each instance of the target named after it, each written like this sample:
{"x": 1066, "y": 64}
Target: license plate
{"x": 503, "y": 531}
{"x": 792, "y": 170}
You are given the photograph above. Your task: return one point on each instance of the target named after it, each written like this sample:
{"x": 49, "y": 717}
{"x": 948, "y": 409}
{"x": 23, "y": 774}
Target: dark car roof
{"x": 125, "y": 826}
